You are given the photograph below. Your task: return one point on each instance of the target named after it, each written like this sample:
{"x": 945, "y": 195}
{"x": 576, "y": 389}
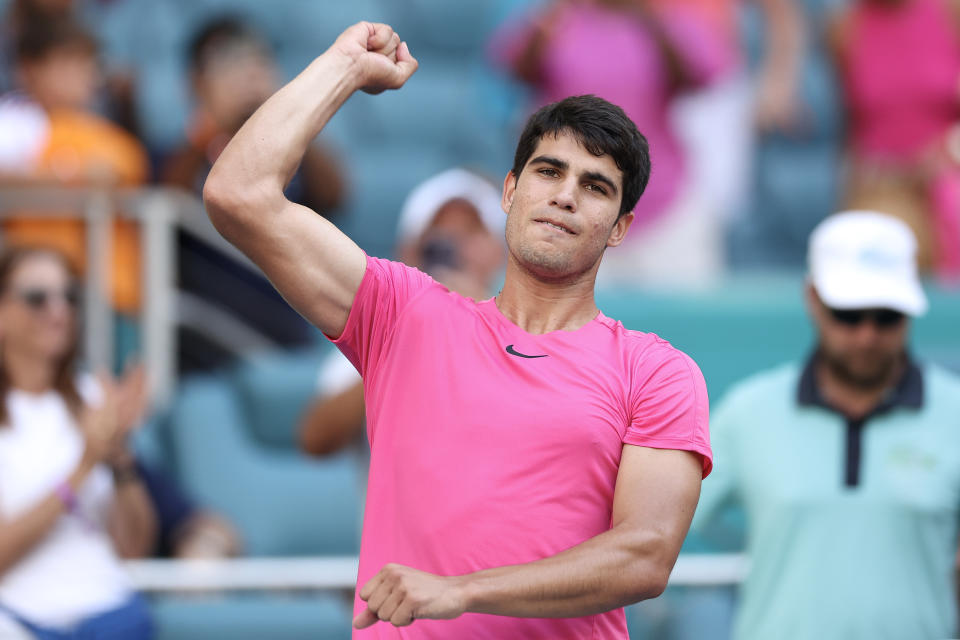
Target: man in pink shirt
{"x": 534, "y": 465}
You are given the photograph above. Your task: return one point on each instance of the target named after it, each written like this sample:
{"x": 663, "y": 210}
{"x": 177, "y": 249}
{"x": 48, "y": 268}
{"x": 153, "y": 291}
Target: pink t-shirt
{"x": 481, "y": 457}
{"x": 901, "y": 71}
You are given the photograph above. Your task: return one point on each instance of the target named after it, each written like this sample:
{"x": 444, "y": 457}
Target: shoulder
{"x": 943, "y": 385}
{"x": 654, "y": 368}
{"x": 648, "y": 354}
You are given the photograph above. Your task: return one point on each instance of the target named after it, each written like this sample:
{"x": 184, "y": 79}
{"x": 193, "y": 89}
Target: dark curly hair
{"x": 603, "y": 129}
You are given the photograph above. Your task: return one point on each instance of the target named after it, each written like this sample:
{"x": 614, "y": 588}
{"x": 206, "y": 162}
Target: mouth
{"x": 556, "y": 225}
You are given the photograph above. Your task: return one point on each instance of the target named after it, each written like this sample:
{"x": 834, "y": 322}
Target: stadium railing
{"x": 160, "y": 212}
{"x": 340, "y": 572}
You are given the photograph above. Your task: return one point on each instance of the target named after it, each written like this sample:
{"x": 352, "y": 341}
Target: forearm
{"x": 611, "y": 570}
{"x": 785, "y": 36}
{"x": 265, "y": 152}
{"x": 20, "y": 534}
{"x": 330, "y": 423}
{"x": 133, "y": 521}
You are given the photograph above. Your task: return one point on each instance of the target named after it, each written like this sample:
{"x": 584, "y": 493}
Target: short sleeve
{"x": 336, "y": 375}
{"x": 385, "y": 292}
{"x": 669, "y": 406}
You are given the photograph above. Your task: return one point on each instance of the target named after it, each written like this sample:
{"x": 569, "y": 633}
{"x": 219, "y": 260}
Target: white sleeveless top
{"x": 73, "y": 573}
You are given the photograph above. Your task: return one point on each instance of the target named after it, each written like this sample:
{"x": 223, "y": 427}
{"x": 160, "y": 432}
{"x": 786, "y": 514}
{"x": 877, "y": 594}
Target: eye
{"x": 596, "y": 188}
{"x": 550, "y": 173}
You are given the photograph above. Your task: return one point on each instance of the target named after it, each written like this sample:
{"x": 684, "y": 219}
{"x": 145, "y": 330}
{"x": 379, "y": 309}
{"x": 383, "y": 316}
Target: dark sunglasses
{"x": 38, "y": 299}
{"x": 881, "y": 318}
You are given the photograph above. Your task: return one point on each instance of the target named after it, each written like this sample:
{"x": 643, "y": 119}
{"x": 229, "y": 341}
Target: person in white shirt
{"x": 71, "y": 504}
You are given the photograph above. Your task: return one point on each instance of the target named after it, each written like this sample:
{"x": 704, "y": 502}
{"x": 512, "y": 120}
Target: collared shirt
{"x": 851, "y": 524}
{"x": 907, "y": 392}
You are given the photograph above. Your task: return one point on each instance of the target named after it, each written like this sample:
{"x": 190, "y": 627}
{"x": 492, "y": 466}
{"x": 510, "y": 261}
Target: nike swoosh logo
{"x": 514, "y": 352}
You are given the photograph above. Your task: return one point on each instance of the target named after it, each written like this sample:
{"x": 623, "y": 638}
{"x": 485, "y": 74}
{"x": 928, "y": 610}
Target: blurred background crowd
{"x": 763, "y": 117}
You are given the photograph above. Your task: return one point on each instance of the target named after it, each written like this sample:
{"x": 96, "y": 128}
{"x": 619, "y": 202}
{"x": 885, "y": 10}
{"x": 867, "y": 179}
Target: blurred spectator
{"x": 64, "y": 517}
{"x": 232, "y": 72}
{"x": 848, "y": 467}
{"x": 49, "y": 135}
{"x": 639, "y": 57}
{"x": 19, "y": 14}
{"x": 796, "y": 164}
{"x": 718, "y": 122}
{"x": 451, "y": 227}
{"x": 900, "y": 65}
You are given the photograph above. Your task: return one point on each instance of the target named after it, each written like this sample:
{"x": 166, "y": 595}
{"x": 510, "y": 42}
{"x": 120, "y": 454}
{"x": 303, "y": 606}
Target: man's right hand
{"x": 381, "y": 59}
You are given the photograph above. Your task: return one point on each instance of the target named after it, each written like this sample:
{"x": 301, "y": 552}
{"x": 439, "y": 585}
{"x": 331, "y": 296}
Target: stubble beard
{"x": 872, "y": 379}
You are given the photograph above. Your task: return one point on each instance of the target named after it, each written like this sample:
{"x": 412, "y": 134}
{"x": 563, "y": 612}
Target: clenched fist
{"x": 399, "y": 595}
{"x": 381, "y": 59}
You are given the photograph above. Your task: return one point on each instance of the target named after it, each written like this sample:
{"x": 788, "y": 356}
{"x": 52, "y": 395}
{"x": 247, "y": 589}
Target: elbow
{"x": 222, "y": 200}
{"x": 647, "y": 583}
{"x": 657, "y": 584}
{"x": 316, "y": 441}
{"x": 233, "y": 203}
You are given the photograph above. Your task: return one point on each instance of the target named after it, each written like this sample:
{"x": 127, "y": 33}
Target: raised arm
{"x": 316, "y": 267}
{"x": 654, "y": 501}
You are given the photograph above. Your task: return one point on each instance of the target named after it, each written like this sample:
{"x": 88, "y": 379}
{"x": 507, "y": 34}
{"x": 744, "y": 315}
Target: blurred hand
{"x": 107, "y": 426}
{"x": 132, "y": 396}
{"x": 399, "y": 595}
{"x": 382, "y": 60}
{"x": 99, "y": 424}
{"x": 778, "y": 106}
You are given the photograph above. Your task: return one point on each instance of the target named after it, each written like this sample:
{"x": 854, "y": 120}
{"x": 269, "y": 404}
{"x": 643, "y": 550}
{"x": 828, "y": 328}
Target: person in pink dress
{"x": 900, "y": 65}
{"x": 534, "y": 465}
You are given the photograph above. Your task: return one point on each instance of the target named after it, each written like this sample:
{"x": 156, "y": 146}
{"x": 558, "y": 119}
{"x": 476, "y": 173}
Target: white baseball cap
{"x": 427, "y": 198}
{"x": 866, "y": 259}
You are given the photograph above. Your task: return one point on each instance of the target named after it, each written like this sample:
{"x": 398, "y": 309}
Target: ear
{"x": 812, "y": 299}
{"x": 509, "y": 188}
{"x": 620, "y": 228}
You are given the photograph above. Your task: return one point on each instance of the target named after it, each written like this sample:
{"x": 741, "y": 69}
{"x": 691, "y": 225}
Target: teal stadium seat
{"x": 283, "y": 502}
{"x": 254, "y": 617}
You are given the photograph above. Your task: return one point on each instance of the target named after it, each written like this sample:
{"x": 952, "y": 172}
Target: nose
{"x": 58, "y": 309}
{"x": 565, "y": 195}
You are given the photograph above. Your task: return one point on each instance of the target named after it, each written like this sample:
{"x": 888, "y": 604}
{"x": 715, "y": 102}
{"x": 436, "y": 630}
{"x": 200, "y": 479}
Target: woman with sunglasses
{"x": 71, "y": 503}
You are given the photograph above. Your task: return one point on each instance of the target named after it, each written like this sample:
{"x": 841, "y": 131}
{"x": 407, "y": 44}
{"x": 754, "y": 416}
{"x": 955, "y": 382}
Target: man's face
{"x": 234, "y": 82}
{"x": 863, "y": 349}
{"x": 458, "y": 250}
{"x": 562, "y": 210}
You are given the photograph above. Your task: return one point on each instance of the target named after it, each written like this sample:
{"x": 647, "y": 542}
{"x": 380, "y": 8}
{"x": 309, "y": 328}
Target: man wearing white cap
{"x": 451, "y": 227}
{"x": 848, "y": 467}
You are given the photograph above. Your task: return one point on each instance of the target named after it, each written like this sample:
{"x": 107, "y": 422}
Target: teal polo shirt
{"x": 851, "y": 524}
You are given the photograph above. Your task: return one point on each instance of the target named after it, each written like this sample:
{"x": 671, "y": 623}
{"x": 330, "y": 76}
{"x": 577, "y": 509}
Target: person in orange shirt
{"x": 52, "y": 135}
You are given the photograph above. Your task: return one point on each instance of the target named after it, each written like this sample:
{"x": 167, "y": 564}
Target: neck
{"x": 853, "y": 400}
{"x": 27, "y": 372}
{"x": 539, "y": 306}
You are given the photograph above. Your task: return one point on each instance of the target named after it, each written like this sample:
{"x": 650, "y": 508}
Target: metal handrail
{"x": 160, "y": 212}
{"x": 324, "y": 573}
